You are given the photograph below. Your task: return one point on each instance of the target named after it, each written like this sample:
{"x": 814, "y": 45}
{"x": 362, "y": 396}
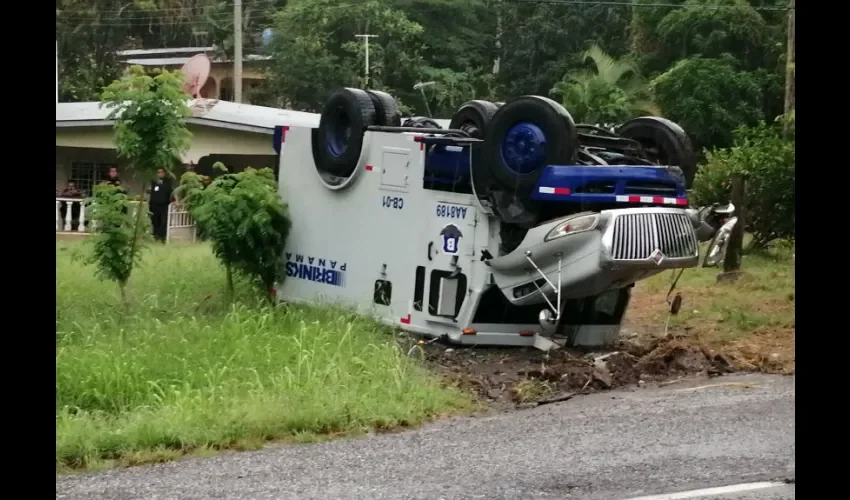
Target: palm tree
{"x": 612, "y": 93}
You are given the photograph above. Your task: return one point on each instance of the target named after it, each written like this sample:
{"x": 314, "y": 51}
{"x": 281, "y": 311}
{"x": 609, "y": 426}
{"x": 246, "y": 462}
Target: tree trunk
{"x": 230, "y": 287}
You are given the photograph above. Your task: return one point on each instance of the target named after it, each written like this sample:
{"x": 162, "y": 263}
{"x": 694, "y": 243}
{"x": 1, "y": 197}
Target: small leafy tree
{"x": 770, "y": 165}
{"x": 150, "y": 132}
{"x": 116, "y": 243}
{"x": 245, "y": 220}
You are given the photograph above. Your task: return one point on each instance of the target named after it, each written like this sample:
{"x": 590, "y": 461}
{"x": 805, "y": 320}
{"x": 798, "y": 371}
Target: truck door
{"x": 450, "y": 247}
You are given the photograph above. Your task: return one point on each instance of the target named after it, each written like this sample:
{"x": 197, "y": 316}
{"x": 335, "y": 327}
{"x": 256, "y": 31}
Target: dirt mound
{"x": 510, "y": 377}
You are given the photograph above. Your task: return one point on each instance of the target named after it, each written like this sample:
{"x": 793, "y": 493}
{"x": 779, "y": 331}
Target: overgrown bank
{"x": 182, "y": 370}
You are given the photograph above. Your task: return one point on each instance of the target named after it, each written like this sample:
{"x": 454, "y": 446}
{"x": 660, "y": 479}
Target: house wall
{"x": 95, "y": 144}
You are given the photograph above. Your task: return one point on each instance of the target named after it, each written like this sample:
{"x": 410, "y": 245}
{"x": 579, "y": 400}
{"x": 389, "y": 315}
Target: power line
{"x": 178, "y": 9}
{"x": 620, "y": 3}
{"x": 206, "y": 18}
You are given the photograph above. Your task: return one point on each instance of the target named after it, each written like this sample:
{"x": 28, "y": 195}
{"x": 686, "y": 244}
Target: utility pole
{"x": 790, "y": 60}
{"x": 366, "y": 43}
{"x": 237, "y": 50}
{"x": 57, "y": 75}
{"x": 498, "y": 61}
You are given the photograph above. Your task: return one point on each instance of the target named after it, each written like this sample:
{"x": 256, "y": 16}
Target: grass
{"x": 182, "y": 370}
{"x": 751, "y": 319}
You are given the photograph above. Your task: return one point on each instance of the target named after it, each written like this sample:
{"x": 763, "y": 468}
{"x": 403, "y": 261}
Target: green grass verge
{"x": 182, "y": 370}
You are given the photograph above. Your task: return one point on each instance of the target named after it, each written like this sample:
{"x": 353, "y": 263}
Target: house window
{"x": 86, "y": 174}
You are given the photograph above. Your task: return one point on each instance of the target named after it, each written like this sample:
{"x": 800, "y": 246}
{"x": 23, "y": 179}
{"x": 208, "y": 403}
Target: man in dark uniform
{"x": 112, "y": 178}
{"x": 160, "y": 196}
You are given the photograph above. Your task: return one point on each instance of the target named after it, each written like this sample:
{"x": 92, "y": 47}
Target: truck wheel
{"x": 386, "y": 109}
{"x": 474, "y": 117}
{"x": 421, "y": 122}
{"x": 664, "y": 142}
{"x": 527, "y": 134}
{"x": 344, "y": 120}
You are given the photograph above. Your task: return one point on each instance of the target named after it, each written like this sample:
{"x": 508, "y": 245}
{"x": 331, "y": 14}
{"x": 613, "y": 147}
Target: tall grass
{"x": 183, "y": 369}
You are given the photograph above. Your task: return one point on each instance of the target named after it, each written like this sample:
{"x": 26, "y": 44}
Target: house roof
{"x": 173, "y": 50}
{"x": 180, "y": 60}
{"x": 209, "y": 112}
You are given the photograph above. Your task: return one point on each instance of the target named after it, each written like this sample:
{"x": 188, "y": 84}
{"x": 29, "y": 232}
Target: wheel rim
{"x": 523, "y": 148}
{"x": 339, "y": 133}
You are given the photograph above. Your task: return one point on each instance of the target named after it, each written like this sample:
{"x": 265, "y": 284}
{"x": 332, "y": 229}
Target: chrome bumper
{"x": 627, "y": 245}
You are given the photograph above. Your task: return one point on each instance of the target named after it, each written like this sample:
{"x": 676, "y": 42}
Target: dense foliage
{"x": 485, "y": 49}
{"x": 245, "y": 220}
{"x": 769, "y": 164}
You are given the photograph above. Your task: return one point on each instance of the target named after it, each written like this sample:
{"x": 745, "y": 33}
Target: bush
{"x": 245, "y": 220}
{"x": 769, "y": 163}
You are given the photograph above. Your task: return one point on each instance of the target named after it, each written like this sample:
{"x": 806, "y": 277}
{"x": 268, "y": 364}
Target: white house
{"x": 238, "y": 135}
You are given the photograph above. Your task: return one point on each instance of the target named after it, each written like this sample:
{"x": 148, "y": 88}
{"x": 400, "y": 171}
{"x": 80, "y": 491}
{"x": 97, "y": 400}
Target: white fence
{"x": 181, "y": 225}
{"x": 71, "y": 219}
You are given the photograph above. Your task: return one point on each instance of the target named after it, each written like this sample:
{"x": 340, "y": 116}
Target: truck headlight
{"x": 573, "y": 225}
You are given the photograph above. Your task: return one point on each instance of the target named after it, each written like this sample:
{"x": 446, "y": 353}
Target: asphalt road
{"x": 610, "y": 446}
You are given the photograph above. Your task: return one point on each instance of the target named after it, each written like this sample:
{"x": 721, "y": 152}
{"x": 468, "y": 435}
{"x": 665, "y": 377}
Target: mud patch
{"x": 513, "y": 377}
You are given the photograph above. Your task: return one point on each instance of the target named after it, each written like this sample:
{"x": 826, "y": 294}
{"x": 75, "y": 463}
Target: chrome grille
{"x": 637, "y": 236}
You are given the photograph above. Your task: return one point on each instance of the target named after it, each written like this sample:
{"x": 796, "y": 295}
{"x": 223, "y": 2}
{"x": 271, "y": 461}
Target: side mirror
{"x": 717, "y": 248}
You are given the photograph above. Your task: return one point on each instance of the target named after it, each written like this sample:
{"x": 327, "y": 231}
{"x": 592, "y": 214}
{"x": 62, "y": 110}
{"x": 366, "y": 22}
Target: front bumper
{"x": 626, "y": 246}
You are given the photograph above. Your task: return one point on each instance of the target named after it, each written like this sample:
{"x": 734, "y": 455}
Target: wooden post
{"x": 790, "y": 62}
{"x": 732, "y": 262}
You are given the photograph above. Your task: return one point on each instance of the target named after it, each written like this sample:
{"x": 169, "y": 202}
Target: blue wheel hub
{"x": 338, "y": 134}
{"x": 524, "y": 148}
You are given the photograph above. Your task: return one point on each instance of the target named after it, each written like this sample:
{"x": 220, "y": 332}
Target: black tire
{"x": 474, "y": 118}
{"x": 665, "y": 142}
{"x": 542, "y": 119}
{"x": 421, "y": 122}
{"x": 344, "y": 120}
{"x": 386, "y": 109}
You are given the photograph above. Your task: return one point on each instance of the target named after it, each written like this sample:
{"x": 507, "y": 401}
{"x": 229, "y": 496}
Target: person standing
{"x": 161, "y": 193}
{"x": 113, "y": 179}
{"x": 70, "y": 192}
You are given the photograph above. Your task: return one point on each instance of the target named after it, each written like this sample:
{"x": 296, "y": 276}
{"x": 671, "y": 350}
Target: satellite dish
{"x": 267, "y": 37}
{"x": 196, "y": 70}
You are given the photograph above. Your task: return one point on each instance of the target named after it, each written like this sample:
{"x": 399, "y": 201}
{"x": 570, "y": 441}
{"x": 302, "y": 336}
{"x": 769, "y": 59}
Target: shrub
{"x": 245, "y": 220}
{"x": 769, "y": 163}
{"x": 118, "y": 240}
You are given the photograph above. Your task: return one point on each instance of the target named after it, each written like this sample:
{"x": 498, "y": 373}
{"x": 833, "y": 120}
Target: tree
{"x": 614, "y": 92}
{"x": 245, "y": 220}
{"x": 770, "y": 165}
{"x": 117, "y": 242}
{"x": 710, "y": 98}
{"x": 710, "y": 32}
{"x": 150, "y": 132}
{"x": 314, "y": 50}
{"x": 542, "y": 41}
